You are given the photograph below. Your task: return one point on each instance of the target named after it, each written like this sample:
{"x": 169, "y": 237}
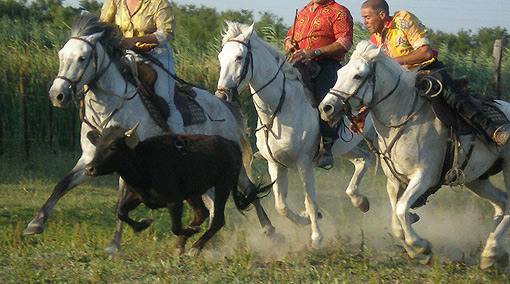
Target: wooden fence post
{"x": 496, "y": 56}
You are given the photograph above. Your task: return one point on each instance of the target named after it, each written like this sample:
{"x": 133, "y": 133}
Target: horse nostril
{"x": 89, "y": 170}
{"x": 327, "y": 109}
{"x": 60, "y": 97}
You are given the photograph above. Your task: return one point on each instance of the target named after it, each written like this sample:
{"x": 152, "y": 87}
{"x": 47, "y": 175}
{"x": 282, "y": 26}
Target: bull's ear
{"x": 93, "y": 136}
{"x": 131, "y": 136}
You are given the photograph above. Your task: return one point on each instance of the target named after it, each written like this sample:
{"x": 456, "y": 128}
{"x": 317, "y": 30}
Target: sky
{"x": 444, "y": 15}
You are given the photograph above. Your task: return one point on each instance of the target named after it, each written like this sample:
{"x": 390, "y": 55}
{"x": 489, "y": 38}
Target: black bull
{"x": 164, "y": 171}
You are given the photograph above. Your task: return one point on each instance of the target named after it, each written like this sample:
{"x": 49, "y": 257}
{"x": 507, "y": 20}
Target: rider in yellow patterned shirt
{"x": 148, "y": 24}
{"x": 402, "y": 35}
{"x": 404, "y": 38}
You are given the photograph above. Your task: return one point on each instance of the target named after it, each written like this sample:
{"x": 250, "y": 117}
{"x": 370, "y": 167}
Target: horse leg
{"x": 493, "y": 251}
{"x": 360, "y": 159}
{"x": 74, "y": 178}
{"x": 247, "y": 187}
{"x": 279, "y": 176}
{"x": 305, "y": 171}
{"x": 221, "y": 194}
{"x": 208, "y": 199}
{"x": 417, "y": 247}
{"x": 114, "y": 245}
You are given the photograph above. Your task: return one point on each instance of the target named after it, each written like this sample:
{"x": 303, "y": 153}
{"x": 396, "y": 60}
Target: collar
{"x": 325, "y": 4}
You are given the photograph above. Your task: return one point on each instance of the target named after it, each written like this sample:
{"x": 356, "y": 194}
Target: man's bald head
{"x": 376, "y": 6}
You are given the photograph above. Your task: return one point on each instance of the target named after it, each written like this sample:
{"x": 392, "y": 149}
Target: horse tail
{"x": 246, "y": 149}
{"x": 242, "y": 201}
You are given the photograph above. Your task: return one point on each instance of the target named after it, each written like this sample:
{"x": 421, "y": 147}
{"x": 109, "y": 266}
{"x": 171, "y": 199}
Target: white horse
{"x": 88, "y": 61}
{"x": 411, "y": 136}
{"x": 288, "y": 125}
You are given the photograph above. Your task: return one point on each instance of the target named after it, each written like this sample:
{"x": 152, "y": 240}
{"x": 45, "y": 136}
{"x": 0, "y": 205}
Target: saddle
{"x": 451, "y": 172}
{"x": 308, "y": 70}
{"x": 184, "y": 98}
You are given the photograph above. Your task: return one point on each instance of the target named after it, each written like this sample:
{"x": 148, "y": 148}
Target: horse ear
{"x": 94, "y": 37}
{"x": 131, "y": 136}
{"x": 93, "y": 136}
{"x": 248, "y": 32}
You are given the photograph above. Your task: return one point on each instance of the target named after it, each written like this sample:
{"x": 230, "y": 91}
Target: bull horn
{"x": 132, "y": 130}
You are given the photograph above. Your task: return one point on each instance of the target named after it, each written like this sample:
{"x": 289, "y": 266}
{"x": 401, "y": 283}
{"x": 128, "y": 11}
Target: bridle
{"x": 78, "y": 97}
{"x": 94, "y": 64}
{"x": 248, "y": 65}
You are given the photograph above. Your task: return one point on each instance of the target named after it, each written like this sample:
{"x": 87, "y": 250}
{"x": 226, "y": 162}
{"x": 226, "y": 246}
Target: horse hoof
{"x": 33, "y": 229}
{"x": 179, "y": 251}
{"x": 364, "y": 206}
{"x": 316, "y": 244}
{"x": 427, "y": 259}
{"x": 269, "y": 230}
{"x": 112, "y": 249}
{"x": 319, "y": 215}
{"x": 194, "y": 252}
{"x": 499, "y": 261}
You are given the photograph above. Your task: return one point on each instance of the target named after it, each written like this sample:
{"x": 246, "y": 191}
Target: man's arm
{"x": 328, "y": 50}
{"x": 416, "y": 56}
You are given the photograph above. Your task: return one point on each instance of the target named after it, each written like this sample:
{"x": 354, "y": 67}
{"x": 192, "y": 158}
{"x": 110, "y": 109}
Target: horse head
{"x": 236, "y": 60}
{"x": 82, "y": 59}
{"x": 355, "y": 85}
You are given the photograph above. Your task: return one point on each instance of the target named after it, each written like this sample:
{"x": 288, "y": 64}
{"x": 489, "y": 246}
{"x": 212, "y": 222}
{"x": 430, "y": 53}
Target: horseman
{"x": 404, "y": 38}
{"x": 148, "y": 25}
{"x": 322, "y": 33}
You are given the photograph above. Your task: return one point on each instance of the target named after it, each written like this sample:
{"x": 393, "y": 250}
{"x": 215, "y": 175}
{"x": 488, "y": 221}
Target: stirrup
{"x": 501, "y": 135}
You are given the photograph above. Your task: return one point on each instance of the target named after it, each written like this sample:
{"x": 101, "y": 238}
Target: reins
{"x": 80, "y": 103}
{"x": 248, "y": 65}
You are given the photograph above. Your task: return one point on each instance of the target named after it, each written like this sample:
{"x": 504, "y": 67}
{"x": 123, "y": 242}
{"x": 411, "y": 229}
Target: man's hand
{"x": 358, "y": 121}
{"x": 128, "y": 43}
{"x": 290, "y": 45}
{"x": 303, "y": 55}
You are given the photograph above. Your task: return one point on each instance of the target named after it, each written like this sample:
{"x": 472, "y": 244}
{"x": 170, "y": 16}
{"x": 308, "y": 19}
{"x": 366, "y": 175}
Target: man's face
{"x": 374, "y": 22}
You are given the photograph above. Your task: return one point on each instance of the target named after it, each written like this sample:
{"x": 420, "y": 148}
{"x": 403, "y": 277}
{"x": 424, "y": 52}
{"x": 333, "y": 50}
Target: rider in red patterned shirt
{"x": 322, "y": 32}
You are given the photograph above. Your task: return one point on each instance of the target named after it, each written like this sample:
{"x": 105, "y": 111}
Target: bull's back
{"x": 181, "y": 166}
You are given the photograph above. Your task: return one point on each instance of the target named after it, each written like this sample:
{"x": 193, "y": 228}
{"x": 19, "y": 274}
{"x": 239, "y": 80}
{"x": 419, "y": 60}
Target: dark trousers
{"x": 461, "y": 102}
{"x": 324, "y": 81}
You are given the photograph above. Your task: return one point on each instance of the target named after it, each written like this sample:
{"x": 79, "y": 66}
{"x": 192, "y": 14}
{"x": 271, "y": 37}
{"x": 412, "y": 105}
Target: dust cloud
{"x": 455, "y": 221}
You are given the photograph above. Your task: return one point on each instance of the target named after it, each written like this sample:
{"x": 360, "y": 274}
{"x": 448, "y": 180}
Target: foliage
{"x": 32, "y": 32}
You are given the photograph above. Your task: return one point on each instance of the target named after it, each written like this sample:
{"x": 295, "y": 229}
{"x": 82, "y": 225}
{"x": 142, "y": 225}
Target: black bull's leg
{"x": 77, "y": 177}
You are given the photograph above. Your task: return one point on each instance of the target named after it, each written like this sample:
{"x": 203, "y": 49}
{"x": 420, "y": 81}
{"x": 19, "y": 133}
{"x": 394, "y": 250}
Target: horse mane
{"x": 88, "y": 24}
{"x": 233, "y": 30}
{"x": 368, "y": 52}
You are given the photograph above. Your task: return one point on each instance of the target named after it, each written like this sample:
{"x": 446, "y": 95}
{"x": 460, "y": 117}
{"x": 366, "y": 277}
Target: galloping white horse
{"x": 88, "y": 61}
{"x": 288, "y": 135}
{"x": 415, "y": 140}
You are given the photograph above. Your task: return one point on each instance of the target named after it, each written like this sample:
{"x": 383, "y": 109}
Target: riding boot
{"x": 325, "y": 159}
{"x": 499, "y": 134}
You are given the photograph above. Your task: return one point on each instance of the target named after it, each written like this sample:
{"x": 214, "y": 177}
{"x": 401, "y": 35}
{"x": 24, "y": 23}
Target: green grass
{"x": 357, "y": 247}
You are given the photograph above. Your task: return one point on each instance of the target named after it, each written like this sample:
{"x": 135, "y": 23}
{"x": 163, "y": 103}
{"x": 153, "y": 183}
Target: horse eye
{"x": 357, "y": 77}
{"x": 239, "y": 58}
{"x": 81, "y": 58}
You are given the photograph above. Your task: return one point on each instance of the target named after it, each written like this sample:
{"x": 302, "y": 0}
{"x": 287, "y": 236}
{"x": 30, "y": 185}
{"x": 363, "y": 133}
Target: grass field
{"x": 357, "y": 247}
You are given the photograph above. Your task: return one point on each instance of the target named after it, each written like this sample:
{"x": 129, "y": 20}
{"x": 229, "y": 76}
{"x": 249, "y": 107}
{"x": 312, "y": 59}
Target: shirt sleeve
{"x": 342, "y": 27}
{"x": 415, "y": 30}
{"x": 108, "y": 12}
{"x": 165, "y": 22}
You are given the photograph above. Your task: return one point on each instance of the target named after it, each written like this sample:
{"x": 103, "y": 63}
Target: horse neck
{"x": 264, "y": 69}
{"x": 394, "y": 109}
{"x": 112, "y": 91}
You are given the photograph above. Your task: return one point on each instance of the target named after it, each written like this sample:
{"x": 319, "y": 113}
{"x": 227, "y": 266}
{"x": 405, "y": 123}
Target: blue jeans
{"x": 324, "y": 81}
{"x": 164, "y": 85}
